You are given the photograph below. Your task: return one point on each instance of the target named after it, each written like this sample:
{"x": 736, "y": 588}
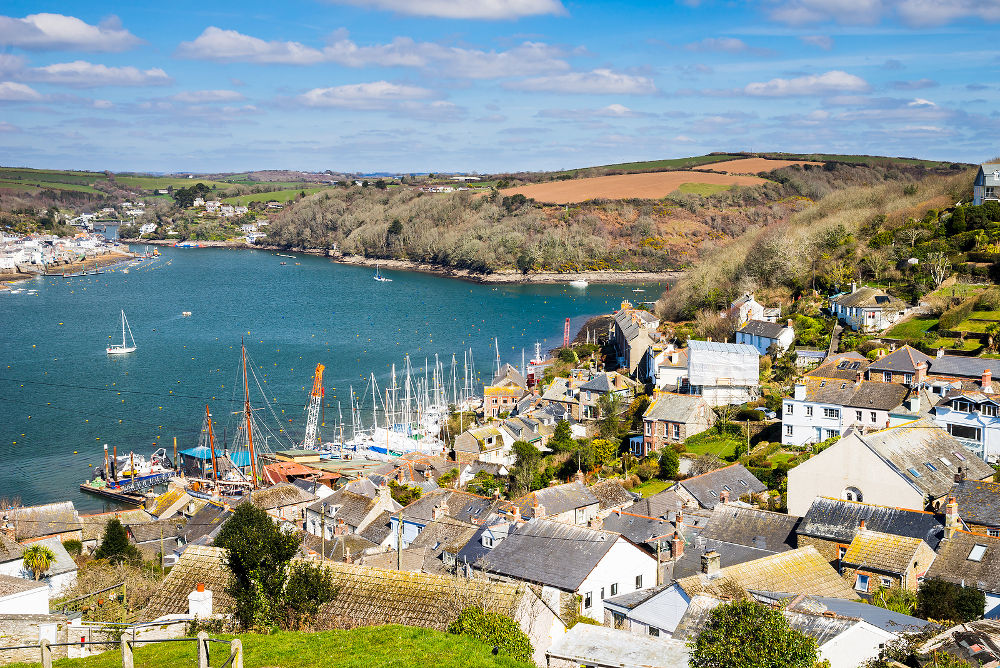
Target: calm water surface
{"x": 62, "y": 397}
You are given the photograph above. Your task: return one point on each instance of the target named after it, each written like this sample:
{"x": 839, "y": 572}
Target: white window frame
{"x": 831, "y": 413}
{"x": 858, "y": 580}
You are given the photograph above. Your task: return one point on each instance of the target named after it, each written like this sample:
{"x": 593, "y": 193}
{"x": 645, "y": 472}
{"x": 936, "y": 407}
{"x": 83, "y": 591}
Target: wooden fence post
{"x": 46, "y": 653}
{"x": 202, "y": 649}
{"x": 236, "y": 651}
{"x": 127, "y": 660}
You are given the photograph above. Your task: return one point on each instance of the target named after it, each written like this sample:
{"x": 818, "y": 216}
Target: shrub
{"x": 646, "y": 470}
{"x": 568, "y": 355}
{"x": 745, "y": 634}
{"x": 955, "y": 315}
{"x": 115, "y": 546}
{"x": 494, "y": 629}
{"x": 942, "y": 600}
{"x": 74, "y": 547}
{"x": 750, "y": 414}
{"x": 669, "y": 464}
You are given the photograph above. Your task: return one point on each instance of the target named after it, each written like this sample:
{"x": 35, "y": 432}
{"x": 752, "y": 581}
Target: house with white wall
{"x": 973, "y": 418}
{"x": 867, "y": 309}
{"x": 722, "y": 373}
{"x": 766, "y": 337}
{"x": 821, "y": 408}
{"x": 986, "y": 187}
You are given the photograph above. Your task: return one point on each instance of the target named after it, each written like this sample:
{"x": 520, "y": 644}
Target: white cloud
{"x": 596, "y": 82}
{"x": 103, "y": 104}
{"x": 374, "y": 95}
{"x": 81, "y": 74}
{"x": 204, "y": 96}
{"x": 822, "y": 41}
{"x": 57, "y": 32}
{"x": 9, "y": 64}
{"x": 464, "y": 9}
{"x": 727, "y": 45}
{"x": 11, "y": 91}
{"x": 231, "y": 46}
{"x": 815, "y": 84}
{"x": 610, "y": 111}
{"x": 920, "y": 102}
{"x": 915, "y": 13}
{"x": 7, "y": 127}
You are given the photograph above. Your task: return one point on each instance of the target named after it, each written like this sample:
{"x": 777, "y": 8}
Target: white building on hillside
{"x": 722, "y": 373}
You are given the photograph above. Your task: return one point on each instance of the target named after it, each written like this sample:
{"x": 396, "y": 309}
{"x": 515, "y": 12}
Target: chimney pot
{"x": 676, "y": 546}
{"x": 861, "y": 525}
{"x": 724, "y": 496}
{"x": 711, "y": 563}
{"x": 987, "y": 384}
{"x": 200, "y": 586}
{"x": 789, "y": 322}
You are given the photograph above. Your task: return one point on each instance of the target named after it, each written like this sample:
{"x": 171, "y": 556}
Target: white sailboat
{"x": 380, "y": 277}
{"x": 116, "y": 349}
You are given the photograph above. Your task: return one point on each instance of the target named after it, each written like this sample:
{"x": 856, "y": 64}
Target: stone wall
{"x": 27, "y": 630}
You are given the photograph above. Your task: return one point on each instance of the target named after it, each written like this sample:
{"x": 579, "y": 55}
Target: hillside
{"x": 383, "y": 646}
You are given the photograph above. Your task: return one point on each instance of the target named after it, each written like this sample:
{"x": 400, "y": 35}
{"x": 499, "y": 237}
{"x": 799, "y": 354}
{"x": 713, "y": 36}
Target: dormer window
{"x": 988, "y": 409}
{"x": 962, "y": 406}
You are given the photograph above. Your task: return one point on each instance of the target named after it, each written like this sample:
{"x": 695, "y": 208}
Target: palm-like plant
{"x": 38, "y": 559}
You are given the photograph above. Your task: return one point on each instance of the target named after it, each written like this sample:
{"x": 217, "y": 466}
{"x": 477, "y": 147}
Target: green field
{"x": 703, "y": 189}
{"x": 652, "y": 486}
{"x": 155, "y": 182}
{"x": 914, "y": 328}
{"x": 960, "y": 290}
{"x": 274, "y": 195}
{"x": 390, "y": 646}
{"x": 657, "y": 165}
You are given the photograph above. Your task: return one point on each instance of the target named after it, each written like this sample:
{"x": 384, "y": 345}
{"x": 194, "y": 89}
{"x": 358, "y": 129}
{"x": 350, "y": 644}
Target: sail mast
{"x": 211, "y": 445}
{"x": 123, "y": 328}
{"x": 249, "y": 417}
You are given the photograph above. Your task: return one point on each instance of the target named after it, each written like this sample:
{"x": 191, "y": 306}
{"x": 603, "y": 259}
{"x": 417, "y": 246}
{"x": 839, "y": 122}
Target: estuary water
{"x": 62, "y": 397}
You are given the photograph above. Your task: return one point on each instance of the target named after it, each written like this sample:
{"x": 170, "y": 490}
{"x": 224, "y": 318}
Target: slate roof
{"x": 867, "y": 394}
{"x": 799, "y": 571}
{"x": 978, "y": 502}
{"x": 164, "y": 502}
{"x": 611, "y": 494}
{"x": 707, "y": 487}
{"x": 13, "y": 585}
{"x": 372, "y": 596}
{"x": 631, "y": 323}
{"x": 721, "y": 347}
{"x": 464, "y": 506}
{"x": 205, "y": 523}
{"x": 63, "y": 563}
{"x": 93, "y": 525}
{"x": 352, "y": 510}
{"x": 663, "y": 505}
{"x": 839, "y": 520}
{"x": 977, "y": 642}
{"x": 953, "y": 563}
{"x": 902, "y": 360}
{"x": 844, "y": 366}
{"x": 670, "y": 407}
{"x": 44, "y": 520}
{"x": 636, "y": 528}
{"x": 550, "y": 553}
{"x": 865, "y": 297}
{"x": 961, "y": 366}
{"x": 10, "y": 550}
{"x": 150, "y": 531}
{"x": 881, "y": 551}
{"x": 557, "y": 499}
{"x": 762, "y": 328}
{"x": 887, "y": 620}
{"x": 509, "y": 374}
{"x": 914, "y": 444}
{"x": 590, "y": 645}
{"x": 730, "y": 554}
{"x": 634, "y": 599}
{"x": 761, "y": 529}
{"x": 445, "y": 534}
{"x": 336, "y": 548}
{"x": 378, "y": 529}
{"x": 198, "y": 563}
{"x": 279, "y": 496}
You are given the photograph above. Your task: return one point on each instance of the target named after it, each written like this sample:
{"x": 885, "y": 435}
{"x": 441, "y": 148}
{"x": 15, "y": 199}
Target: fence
{"x": 235, "y": 659}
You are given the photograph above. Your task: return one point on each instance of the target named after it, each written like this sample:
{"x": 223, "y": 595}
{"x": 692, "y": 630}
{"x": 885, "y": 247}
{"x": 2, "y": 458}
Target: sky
{"x": 490, "y": 85}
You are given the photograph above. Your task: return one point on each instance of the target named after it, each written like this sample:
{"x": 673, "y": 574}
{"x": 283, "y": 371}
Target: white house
{"x": 867, "y": 309}
{"x": 973, "y": 418}
{"x": 745, "y": 309}
{"x": 60, "y": 576}
{"x": 23, "y": 597}
{"x": 722, "y": 373}
{"x": 821, "y": 408}
{"x": 598, "y": 565}
{"x": 198, "y": 201}
{"x": 147, "y": 228}
{"x": 986, "y": 187}
{"x": 766, "y": 337}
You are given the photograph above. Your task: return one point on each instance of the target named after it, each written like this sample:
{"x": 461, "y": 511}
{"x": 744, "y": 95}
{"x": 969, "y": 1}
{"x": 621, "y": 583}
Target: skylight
{"x": 977, "y": 552}
{"x": 914, "y": 472}
{"x": 930, "y": 466}
{"x": 959, "y": 455}
{"x": 944, "y": 460}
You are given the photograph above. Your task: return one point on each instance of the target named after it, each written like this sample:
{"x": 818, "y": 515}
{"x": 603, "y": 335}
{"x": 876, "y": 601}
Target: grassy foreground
{"x": 392, "y": 646}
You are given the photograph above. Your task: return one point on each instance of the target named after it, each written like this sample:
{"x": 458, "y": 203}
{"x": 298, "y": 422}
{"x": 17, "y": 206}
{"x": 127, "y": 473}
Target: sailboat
{"x": 379, "y": 276}
{"x": 116, "y": 349}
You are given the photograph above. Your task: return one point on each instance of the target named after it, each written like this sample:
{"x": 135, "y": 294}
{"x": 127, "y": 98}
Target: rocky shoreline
{"x": 502, "y": 277}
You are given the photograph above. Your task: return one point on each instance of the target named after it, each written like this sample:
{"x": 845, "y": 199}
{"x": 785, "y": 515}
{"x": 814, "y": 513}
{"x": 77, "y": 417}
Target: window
{"x": 614, "y": 588}
{"x": 588, "y": 600}
{"x": 852, "y": 494}
{"x": 964, "y": 431}
{"x": 944, "y": 460}
{"x": 830, "y": 433}
{"x": 788, "y": 430}
{"x": 809, "y": 411}
{"x": 861, "y": 584}
{"x": 677, "y": 431}
{"x": 961, "y": 406}
{"x": 885, "y": 582}
{"x": 959, "y": 456}
{"x": 653, "y": 631}
{"x": 638, "y": 582}
{"x": 887, "y": 376}
{"x": 487, "y": 541}
{"x": 649, "y": 429}
{"x": 993, "y": 532}
{"x": 859, "y": 416}
{"x": 727, "y": 488}
{"x": 843, "y": 386}
{"x": 977, "y": 552}
{"x": 930, "y": 466}
{"x": 744, "y": 482}
{"x": 712, "y": 494}
{"x": 789, "y": 409}
{"x": 841, "y": 551}
{"x": 602, "y": 593}
{"x": 831, "y": 412}
{"x": 822, "y": 383}
{"x": 874, "y": 416}
{"x": 914, "y": 472}
{"x": 988, "y": 409}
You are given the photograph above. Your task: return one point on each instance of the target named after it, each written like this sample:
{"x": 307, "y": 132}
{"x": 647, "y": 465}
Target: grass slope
{"x": 275, "y": 195}
{"x": 654, "y": 165}
{"x": 384, "y": 646}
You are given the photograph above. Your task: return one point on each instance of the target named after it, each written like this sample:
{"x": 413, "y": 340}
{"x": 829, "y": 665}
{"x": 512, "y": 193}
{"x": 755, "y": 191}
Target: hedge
{"x": 494, "y": 629}
{"x": 955, "y": 315}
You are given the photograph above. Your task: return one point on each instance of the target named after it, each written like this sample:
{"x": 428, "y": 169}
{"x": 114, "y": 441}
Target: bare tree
{"x": 876, "y": 264}
{"x": 940, "y": 266}
{"x": 913, "y": 234}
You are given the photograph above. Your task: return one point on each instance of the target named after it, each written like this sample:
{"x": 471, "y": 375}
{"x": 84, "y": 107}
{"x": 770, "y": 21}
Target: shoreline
{"x": 86, "y": 265}
{"x": 499, "y": 278}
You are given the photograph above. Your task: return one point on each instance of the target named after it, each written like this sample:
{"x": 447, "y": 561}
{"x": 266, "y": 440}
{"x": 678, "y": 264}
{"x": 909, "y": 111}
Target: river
{"x": 62, "y": 397}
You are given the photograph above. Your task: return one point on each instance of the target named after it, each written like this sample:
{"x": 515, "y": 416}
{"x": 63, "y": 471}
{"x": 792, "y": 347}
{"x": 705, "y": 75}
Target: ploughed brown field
{"x": 651, "y": 185}
{"x": 753, "y": 165}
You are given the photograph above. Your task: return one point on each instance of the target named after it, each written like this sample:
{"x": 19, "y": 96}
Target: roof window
{"x": 726, "y": 487}
{"x": 822, "y": 383}
{"x": 711, "y": 492}
{"x": 744, "y": 483}
{"x": 977, "y": 552}
{"x": 914, "y": 472}
{"x": 959, "y": 456}
{"x": 944, "y": 460}
{"x": 930, "y": 466}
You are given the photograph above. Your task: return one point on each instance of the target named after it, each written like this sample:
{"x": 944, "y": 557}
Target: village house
{"x": 604, "y": 647}
{"x": 767, "y": 337}
{"x": 976, "y": 642}
{"x": 867, "y": 309}
{"x": 722, "y": 373}
{"x": 746, "y": 308}
{"x": 633, "y": 331}
{"x": 501, "y": 395}
{"x": 972, "y": 416}
{"x": 830, "y": 525}
{"x": 436, "y": 505}
{"x": 913, "y": 465}
{"x": 484, "y": 443}
{"x": 573, "y": 565}
{"x": 672, "y": 418}
{"x": 61, "y": 574}
{"x": 347, "y": 512}
{"x": 572, "y": 502}
{"x": 971, "y": 560}
{"x": 664, "y": 367}
{"x": 31, "y": 523}
{"x": 19, "y": 596}
{"x": 729, "y": 483}
{"x": 284, "y": 502}
{"x": 979, "y": 505}
{"x": 986, "y": 187}
{"x": 876, "y": 560}
{"x": 602, "y": 384}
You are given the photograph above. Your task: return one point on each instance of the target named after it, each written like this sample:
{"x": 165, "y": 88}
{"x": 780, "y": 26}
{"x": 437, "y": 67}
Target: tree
{"x": 257, "y": 554}
{"x": 562, "y": 438}
{"x": 896, "y": 599}
{"x": 395, "y": 228}
{"x": 745, "y": 634}
{"x": 605, "y": 451}
{"x": 527, "y": 458}
{"x": 941, "y": 600}
{"x": 404, "y": 495}
{"x": 939, "y": 265}
{"x": 956, "y": 224}
{"x": 38, "y": 559}
{"x": 609, "y": 406}
{"x": 484, "y": 484}
{"x": 669, "y": 463}
{"x": 494, "y": 629}
{"x": 309, "y": 586}
{"x": 115, "y": 545}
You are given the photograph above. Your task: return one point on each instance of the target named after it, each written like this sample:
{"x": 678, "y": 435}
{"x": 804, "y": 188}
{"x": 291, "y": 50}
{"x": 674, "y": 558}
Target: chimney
{"x": 517, "y": 515}
{"x": 149, "y": 501}
{"x": 340, "y": 528}
{"x": 940, "y": 352}
{"x": 711, "y": 563}
{"x": 952, "y": 522}
{"x": 200, "y": 602}
{"x": 680, "y": 518}
{"x": 347, "y": 555}
{"x": 858, "y": 377}
{"x": 676, "y": 546}
{"x": 441, "y": 510}
{"x": 960, "y": 476}
{"x": 987, "y": 384}
{"x": 861, "y": 525}
{"x": 854, "y": 287}
{"x": 800, "y": 393}
{"x": 596, "y": 523}
{"x": 724, "y": 496}
{"x": 921, "y": 375}
{"x": 579, "y": 477}
{"x": 538, "y": 510}
{"x": 914, "y": 402}
{"x": 789, "y": 323}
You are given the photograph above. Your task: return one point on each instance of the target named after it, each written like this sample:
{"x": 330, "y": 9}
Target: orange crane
{"x": 315, "y": 402}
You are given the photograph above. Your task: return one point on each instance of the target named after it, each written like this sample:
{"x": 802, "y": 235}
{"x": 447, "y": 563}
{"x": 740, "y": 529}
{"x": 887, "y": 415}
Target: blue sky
{"x": 490, "y": 85}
